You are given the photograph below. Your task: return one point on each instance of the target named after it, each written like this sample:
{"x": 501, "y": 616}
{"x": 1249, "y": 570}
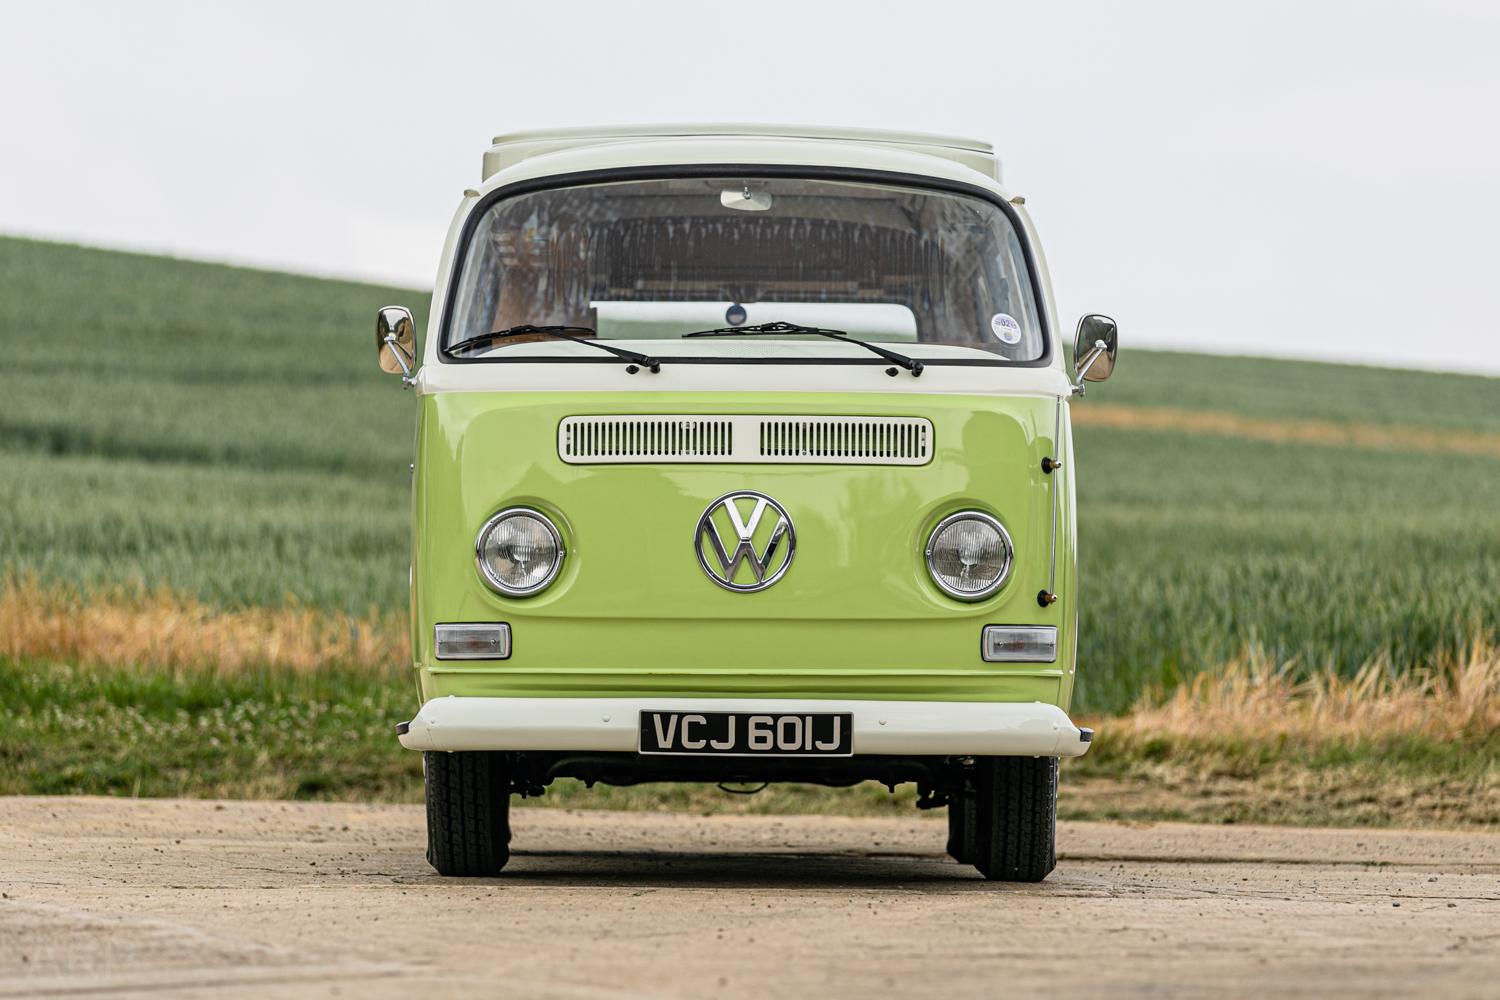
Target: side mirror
{"x": 396, "y": 341}
{"x": 1094, "y": 349}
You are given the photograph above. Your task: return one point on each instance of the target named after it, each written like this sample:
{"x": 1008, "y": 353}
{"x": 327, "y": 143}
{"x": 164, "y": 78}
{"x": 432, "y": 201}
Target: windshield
{"x": 648, "y": 261}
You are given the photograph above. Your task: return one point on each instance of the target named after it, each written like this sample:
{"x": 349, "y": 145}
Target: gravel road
{"x": 171, "y": 898}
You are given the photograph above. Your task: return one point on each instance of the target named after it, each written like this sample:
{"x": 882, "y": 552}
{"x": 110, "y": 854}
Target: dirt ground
{"x": 268, "y": 899}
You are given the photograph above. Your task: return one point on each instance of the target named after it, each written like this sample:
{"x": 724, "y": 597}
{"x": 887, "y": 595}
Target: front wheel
{"x": 468, "y": 812}
{"x": 1016, "y": 813}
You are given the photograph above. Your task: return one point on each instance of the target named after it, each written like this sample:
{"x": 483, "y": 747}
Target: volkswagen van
{"x": 743, "y": 456}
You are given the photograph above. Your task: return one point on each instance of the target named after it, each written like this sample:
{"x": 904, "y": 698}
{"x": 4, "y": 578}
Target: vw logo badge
{"x": 757, "y": 548}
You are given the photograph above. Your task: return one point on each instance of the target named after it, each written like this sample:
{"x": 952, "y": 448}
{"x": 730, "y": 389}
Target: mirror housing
{"x": 1094, "y": 349}
{"x": 396, "y": 342}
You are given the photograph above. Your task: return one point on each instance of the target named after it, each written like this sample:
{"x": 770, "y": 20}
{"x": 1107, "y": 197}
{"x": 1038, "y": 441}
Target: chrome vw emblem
{"x": 740, "y": 565}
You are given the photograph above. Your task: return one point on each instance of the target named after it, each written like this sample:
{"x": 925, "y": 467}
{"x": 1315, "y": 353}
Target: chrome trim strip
{"x": 1057, "y": 470}
{"x": 708, "y": 680}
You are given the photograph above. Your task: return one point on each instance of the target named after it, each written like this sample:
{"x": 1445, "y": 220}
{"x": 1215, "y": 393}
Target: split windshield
{"x": 645, "y": 262}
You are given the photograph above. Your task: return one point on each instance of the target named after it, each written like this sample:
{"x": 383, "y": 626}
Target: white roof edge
{"x": 511, "y": 149}
{"x": 587, "y": 135}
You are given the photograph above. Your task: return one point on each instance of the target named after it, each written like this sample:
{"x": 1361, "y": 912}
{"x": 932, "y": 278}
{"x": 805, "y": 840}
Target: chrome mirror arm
{"x": 399, "y": 353}
{"x": 1095, "y": 353}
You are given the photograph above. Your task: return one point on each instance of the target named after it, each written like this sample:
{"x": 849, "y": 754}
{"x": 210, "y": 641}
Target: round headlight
{"x": 969, "y": 555}
{"x": 519, "y": 551}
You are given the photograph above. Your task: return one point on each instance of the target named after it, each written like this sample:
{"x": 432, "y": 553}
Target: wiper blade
{"x": 635, "y": 361}
{"x": 910, "y": 364}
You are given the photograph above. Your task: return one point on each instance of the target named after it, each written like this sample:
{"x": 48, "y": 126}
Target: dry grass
{"x": 1258, "y": 741}
{"x": 1248, "y": 699}
{"x": 1255, "y": 699}
{"x": 160, "y": 629}
{"x": 1393, "y": 437}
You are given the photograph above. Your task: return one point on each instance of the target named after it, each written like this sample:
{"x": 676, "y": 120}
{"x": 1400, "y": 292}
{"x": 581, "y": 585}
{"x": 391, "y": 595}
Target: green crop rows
{"x": 225, "y": 433}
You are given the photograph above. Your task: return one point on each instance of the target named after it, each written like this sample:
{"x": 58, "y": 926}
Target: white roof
{"x": 511, "y": 149}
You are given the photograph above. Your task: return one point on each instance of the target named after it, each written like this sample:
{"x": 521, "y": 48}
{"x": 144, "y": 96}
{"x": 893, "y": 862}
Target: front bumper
{"x": 612, "y": 725}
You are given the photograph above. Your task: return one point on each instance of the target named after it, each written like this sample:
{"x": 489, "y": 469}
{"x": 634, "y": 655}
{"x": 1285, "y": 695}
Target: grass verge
{"x": 1259, "y": 741}
{"x": 1254, "y": 741}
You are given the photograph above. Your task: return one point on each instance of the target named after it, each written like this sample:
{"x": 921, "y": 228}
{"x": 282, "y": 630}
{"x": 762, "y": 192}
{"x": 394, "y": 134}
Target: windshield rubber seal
{"x": 583, "y": 178}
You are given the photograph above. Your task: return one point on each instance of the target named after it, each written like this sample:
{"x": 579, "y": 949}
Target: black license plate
{"x": 749, "y": 734}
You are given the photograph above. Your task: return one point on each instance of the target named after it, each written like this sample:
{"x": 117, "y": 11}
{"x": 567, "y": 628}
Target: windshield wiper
{"x": 635, "y": 361}
{"x": 910, "y": 364}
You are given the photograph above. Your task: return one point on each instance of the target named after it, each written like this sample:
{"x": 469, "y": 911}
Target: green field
{"x": 219, "y": 431}
{"x": 224, "y": 433}
{"x": 1194, "y": 547}
{"x": 1263, "y": 387}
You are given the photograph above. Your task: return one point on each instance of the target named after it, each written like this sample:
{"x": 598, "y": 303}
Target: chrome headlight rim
{"x": 971, "y": 596}
{"x": 500, "y": 586}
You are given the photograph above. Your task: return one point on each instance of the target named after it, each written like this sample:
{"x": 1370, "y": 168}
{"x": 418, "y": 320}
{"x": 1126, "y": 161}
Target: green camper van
{"x": 743, "y": 454}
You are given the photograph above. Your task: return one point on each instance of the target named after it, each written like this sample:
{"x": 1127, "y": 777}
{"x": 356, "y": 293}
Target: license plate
{"x": 749, "y": 734}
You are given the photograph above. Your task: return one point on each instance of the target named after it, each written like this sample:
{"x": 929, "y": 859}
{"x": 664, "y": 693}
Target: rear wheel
{"x": 1016, "y": 813}
{"x": 468, "y": 812}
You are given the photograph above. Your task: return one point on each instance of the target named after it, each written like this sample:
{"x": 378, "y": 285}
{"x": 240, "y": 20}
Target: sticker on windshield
{"x": 1006, "y": 328}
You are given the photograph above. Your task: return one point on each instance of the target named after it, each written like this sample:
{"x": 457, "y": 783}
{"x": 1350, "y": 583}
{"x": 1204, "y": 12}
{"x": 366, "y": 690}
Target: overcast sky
{"x": 1273, "y": 178}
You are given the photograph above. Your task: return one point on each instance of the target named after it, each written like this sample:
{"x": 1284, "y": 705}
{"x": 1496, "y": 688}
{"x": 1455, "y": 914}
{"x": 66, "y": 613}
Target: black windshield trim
{"x": 616, "y": 174}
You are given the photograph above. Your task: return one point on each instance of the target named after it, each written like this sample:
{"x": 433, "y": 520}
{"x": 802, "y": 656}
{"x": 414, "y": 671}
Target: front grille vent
{"x": 646, "y": 439}
{"x": 747, "y": 439}
{"x": 874, "y": 440}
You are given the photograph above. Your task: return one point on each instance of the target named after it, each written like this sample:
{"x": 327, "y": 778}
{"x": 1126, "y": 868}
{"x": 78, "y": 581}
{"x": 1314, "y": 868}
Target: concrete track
{"x": 266, "y": 899}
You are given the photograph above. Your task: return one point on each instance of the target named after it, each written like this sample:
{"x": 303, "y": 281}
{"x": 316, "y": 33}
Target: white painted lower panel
{"x": 612, "y": 724}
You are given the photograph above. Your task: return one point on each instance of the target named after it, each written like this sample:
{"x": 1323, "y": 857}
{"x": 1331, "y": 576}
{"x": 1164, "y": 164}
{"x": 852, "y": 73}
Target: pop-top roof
{"x": 514, "y": 147}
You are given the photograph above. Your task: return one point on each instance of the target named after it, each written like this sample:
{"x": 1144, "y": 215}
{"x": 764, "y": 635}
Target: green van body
{"x": 632, "y": 614}
{"x": 906, "y": 612}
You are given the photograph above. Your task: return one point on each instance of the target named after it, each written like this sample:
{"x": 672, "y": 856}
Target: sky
{"x": 1290, "y": 179}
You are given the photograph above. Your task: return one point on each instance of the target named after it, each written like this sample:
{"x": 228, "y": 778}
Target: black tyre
{"x": 468, "y": 812}
{"x": 1016, "y": 808}
{"x": 963, "y": 831}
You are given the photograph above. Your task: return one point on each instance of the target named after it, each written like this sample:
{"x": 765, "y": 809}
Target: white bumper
{"x": 898, "y": 728}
